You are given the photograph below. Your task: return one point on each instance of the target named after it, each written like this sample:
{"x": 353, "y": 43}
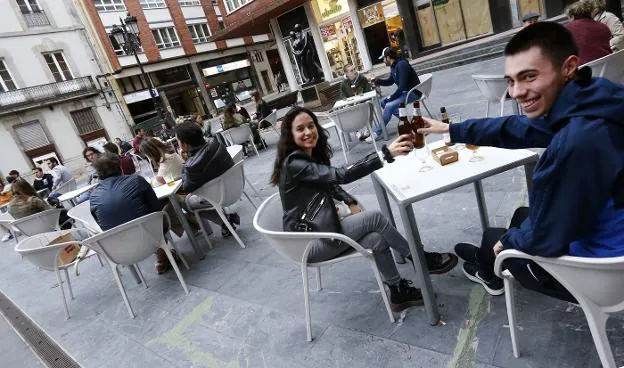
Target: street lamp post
{"x": 127, "y": 36}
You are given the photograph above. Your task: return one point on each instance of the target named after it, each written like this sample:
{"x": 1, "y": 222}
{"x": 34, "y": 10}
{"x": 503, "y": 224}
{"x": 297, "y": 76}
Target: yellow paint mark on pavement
{"x": 467, "y": 341}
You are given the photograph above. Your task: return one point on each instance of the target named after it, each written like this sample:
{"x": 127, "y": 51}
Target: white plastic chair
{"x": 82, "y": 214}
{"x": 610, "y": 67}
{"x": 596, "y": 283}
{"x": 5, "y": 224}
{"x": 240, "y": 135}
{"x": 352, "y": 119}
{"x": 221, "y": 192}
{"x": 494, "y": 89}
{"x": 295, "y": 247}
{"x": 38, "y": 223}
{"x": 424, "y": 87}
{"x": 132, "y": 242}
{"x": 66, "y": 187}
{"x": 271, "y": 119}
{"x": 36, "y": 250}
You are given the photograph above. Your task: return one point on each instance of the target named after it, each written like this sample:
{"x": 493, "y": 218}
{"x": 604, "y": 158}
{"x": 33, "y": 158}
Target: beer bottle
{"x": 417, "y": 122}
{"x": 445, "y": 119}
{"x": 404, "y": 126}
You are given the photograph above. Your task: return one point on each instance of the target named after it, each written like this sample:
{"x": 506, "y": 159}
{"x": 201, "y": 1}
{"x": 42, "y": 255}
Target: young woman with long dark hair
{"x": 303, "y": 169}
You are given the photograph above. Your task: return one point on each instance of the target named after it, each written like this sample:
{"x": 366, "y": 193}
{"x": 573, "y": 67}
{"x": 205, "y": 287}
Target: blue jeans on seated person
{"x": 391, "y": 107}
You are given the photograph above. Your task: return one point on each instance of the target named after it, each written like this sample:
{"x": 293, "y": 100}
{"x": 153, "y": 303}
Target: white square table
{"x": 71, "y": 196}
{"x": 368, "y": 96}
{"x": 406, "y": 185}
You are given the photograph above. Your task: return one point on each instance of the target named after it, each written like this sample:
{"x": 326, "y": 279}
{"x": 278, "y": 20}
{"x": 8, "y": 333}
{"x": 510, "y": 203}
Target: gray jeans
{"x": 373, "y": 231}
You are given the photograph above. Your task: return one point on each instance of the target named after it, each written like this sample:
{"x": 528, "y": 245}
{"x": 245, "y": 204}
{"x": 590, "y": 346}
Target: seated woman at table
{"x": 26, "y": 202}
{"x": 127, "y": 165}
{"x": 233, "y": 119}
{"x": 302, "y": 169}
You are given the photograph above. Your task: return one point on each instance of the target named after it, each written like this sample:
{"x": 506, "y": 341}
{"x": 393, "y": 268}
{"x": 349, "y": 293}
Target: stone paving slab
{"x": 245, "y": 307}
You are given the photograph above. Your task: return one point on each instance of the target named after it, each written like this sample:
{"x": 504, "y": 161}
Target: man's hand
{"x": 401, "y": 146}
{"x": 498, "y": 247}
{"x": 434, "y": 126}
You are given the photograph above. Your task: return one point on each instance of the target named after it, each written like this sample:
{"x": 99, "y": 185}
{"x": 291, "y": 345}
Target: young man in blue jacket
{"x": 577, "y": 201}
{"x": 405, "y": 77}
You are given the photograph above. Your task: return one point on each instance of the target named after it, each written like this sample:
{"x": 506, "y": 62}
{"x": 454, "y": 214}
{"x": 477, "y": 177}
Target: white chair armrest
{"x": 510, "y": 253}
{"x": 335, "y": 236}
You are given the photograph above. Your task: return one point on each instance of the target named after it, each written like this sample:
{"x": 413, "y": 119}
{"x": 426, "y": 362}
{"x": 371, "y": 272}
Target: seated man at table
{"x": 207, "y": 159}
{"x": 42, "y": 181}
{"x": 353, "y": 83}
{"x": 60, "y": 176}
{"x": 577, "y": 200}
{"x": 122, "y": 198}
{"x": 405, "y": 77}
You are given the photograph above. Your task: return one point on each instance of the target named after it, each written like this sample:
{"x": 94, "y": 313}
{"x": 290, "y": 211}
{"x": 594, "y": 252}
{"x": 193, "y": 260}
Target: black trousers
{"x": 528, "y": 273}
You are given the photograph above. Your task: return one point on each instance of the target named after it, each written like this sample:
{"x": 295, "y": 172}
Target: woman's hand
{"x": 401, "y": 146}
{"x": 354, "y": 209}
{"x": 434, "y": 126}
{"x": 158, "y": 181}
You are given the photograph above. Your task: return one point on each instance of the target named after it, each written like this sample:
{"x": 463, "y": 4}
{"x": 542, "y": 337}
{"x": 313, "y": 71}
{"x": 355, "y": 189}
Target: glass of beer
{"x": 474, "y": 148}
{"x": 422, "y": 154}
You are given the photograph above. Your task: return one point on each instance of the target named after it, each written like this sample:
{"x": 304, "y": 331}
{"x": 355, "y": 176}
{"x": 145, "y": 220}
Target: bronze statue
{"x": 306, "y": 57}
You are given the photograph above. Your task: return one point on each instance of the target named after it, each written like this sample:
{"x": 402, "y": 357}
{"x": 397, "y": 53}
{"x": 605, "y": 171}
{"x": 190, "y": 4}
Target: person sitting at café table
{"x": 42, "y": 181}
{"x": 303, "y": 169}
{"x": 405, "y": 77}
{"x": 122, "y": 198}
{"x": 353, "y": 83}
{"x": 262, "y": 108}
{"x": 124, "y": 146}
{"x": 233, "y": 119}
{"x": 5, "y": 193}
{"x": 25, "y": 202}
{"x": 576, "y": 205}
{"x": 14, "y": 174}
{"x": 206, "y": 159}
{"x": 165, "y": 133}
{"x": 127, "y": 165}
{"x": 591, "y": 36}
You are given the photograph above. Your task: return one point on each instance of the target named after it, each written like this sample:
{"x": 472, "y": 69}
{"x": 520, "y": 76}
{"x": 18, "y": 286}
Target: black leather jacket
{"x": 204, "y": 164}
{"x": 302, "y": 177}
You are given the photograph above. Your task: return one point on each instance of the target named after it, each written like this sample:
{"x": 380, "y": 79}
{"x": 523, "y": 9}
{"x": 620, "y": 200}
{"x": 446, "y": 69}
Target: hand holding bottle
{"x": 434, "y": 126}
{"x": 401, "y": 146}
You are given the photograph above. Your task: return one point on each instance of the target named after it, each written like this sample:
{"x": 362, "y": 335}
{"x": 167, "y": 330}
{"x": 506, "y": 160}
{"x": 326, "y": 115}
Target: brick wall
{"x": 181, "y": 27}
{"x": 211, "y": 15}
{"x": 147, "y": 39}
{"x": 102, "y": 35}
{"x": 251, "y": 11}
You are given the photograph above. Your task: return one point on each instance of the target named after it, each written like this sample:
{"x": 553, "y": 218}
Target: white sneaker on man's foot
{"x": 7, "y": 237}
{"x": 374, "y": 136}
{"x": 362, "y": 135}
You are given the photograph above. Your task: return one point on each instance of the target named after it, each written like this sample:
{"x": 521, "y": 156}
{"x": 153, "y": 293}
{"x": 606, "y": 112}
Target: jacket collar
{"x": 558, "y": 113}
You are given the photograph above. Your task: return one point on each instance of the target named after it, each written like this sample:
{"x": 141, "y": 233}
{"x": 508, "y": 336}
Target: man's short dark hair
{"x": 137, "y": 131}
{"x": 107, "y": 165}
{"x": 554, "y": 41}
{"x": 38, "y": 169}
{"x": 53, "y": 160}
{"x": 190, "y": 133}
{"x": 14, "y": 172}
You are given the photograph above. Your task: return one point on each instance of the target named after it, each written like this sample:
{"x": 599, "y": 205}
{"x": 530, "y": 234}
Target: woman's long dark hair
{"x": 322, "y": 153}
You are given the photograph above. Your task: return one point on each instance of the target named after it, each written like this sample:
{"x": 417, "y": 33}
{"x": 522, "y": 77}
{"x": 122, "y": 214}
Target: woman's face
{"x": 304, "y": 131}
{"x": 90, "y": 156}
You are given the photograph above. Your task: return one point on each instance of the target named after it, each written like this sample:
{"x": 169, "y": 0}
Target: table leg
{"x": 420, "y": 265}
{"x": 384, "y": 206}
{"x": 185, "y": 225}
{"x": 528, "y": 173}
{"x": 485, "y": 220}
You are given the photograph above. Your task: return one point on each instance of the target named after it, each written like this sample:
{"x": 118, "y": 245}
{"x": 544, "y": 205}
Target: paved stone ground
{"x": 245, "y": 308}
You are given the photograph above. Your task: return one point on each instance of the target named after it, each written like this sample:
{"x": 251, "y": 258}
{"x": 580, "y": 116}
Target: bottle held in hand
{"x": 445, "y": 119}
{"x": 417, "y": 122}
{"x": 404, "y": 126}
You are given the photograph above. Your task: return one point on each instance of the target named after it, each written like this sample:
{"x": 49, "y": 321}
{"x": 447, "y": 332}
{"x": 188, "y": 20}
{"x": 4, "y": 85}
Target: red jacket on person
{"x": 592, "y": 38}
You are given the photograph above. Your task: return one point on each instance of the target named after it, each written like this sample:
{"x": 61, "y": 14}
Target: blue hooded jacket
{"x": 405, "y": 77}
{"x": 577, "y": 201}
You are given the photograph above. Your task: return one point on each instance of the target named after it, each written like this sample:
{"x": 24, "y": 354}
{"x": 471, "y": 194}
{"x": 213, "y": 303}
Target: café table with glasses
{"x": 406, "y": 183}
{"x": 71, "y": 196}
{"x": 372, "y": 96}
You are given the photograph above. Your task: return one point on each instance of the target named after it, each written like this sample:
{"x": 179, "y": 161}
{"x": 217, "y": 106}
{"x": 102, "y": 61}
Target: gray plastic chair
{"x": 82, "y": 214}
{"x": 351, "y": 119}
{"x": 295, "y": 247}
{"x": 596, "y": 283}
{"x": 42, "y": 222}
{"x": 610, "y": 67}
{"x": 132, "y": 242}
{"x": 424, "y": 87}
{"x": 240, "y": 135}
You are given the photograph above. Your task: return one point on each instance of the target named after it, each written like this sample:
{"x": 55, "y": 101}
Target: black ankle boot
{"x": 403, "y": 296}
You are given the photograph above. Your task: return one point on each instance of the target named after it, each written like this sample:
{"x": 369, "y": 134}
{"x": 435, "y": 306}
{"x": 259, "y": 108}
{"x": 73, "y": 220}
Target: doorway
{"x": 376, "y": 39}
{"x": 267, "y": 81}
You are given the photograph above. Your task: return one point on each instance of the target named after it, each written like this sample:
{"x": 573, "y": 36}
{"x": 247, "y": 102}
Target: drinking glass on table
{"x": 422, "y": 154}
{"x": 474, "y": 148}
{"x": 455, "y": 119}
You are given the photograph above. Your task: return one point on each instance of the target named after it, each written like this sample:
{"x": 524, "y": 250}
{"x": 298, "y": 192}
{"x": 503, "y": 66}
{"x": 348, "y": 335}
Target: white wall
{"x": 157, "y": 15}
{"x": 110, "y": 18}
{"x": 170, "y": 53}
{"x": 9, "y": 13}
{"x": 191, "y": 12}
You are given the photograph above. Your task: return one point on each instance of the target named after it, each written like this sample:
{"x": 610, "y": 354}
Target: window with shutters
{"x": 109, "y": 5}
{"x": 199, "y": 32}
{"x": 152, "y": 4}
{"x": 166, "y": 38}
{"x": 58, "y": 66}
{"x": 85, "y": 121}
{"x": 6, "y": 80}
{"x": 31, "y": 135}
{"x": 29, "y": 6}
{"x": 189, "y": 2}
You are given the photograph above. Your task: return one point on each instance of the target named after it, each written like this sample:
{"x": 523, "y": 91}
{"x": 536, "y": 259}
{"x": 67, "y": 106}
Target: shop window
{"x": 476, "y": 17}
{"x": 31, "y": 135}
{"x": 166, "y": 38}
{"x": 199, "y": 32}
{"x": 232, "y": 5}
{"x": 529, "y": 6}
{"x": 189, "y": 2}
{"x": 152, "y": 4}
{"x": 109, "y": 5}
{"x": 58, "y": 66}
{"x": 85, "y": 121}
{"x": 6, "y": 80}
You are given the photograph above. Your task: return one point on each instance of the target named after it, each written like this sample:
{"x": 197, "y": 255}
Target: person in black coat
{"x": 42, "y": 181}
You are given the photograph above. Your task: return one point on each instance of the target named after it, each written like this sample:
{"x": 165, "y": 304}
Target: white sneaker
{"x": 7, "y": 237}
{"x": 373, "y": 136}
{"x": 362, "y": 135}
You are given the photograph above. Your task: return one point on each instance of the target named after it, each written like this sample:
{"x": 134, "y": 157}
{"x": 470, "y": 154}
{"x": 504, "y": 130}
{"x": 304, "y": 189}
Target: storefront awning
{"x": 255, "y": 21}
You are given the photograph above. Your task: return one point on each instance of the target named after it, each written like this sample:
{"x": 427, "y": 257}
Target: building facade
{"x": 191, "y": 74}
{"x": 52, "y": 100}
{"x": 356, "y": 31}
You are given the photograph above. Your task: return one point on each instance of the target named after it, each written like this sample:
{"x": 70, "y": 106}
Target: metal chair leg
{"x": 121, "y": 288}
{"x": 60, "y": 281}
{"x": 71, "y": 292}
{"x": 167, "y": 250}
{"x": 140, "y": 274}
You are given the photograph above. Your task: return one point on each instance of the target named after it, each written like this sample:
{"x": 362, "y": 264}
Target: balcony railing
{"x": 36, "y": 19}
{"x": 43, "y": 95}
